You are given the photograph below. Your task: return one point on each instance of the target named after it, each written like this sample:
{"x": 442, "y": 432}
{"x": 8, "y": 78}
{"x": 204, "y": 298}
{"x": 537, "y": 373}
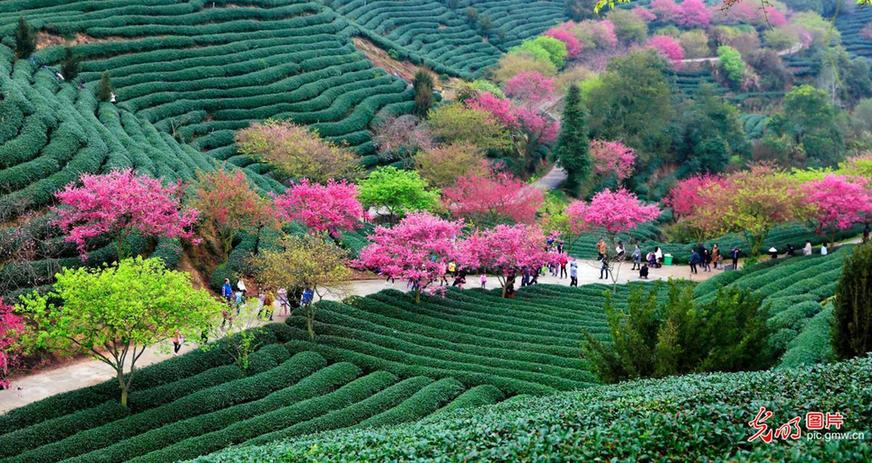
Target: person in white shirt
{"x": 824, "y": 249}
{"x": 806, "y": 251}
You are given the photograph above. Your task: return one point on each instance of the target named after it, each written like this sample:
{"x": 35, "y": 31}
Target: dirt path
{"x": 30, "y": 388}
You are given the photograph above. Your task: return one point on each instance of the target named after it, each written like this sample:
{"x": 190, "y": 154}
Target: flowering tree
{"x": 500, "y": 108}
{"x": 645, "y": 14}
{"x": 615, "y": 212}
{"x": 530, "y": 87}
{"x": 330, "y": 208}
{"x": 838, "y": 202}
{"x": 687, "y": 194}
{"x": 416, "y": 250}
{"x": 228, "y": 205}
{"x": 669, "y": 48}
{"x": 749, "y": 202}
{"x": 694, "y": 13}
{"x": 612, "y": 157}
{"x": 493, "y": 198}
{"x": 441, "y": 166}
{"x": 119, "y": 203}
{"x": 11, "y": 329}
{"x": 666, "y": 10}
{"x": 573, "y": 45}
{"x": 401, "y": 137}
{"x": 505, "y": 250}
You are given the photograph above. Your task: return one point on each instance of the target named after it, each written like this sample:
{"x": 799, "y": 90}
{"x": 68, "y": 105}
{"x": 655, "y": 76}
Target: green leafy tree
{"x": 115, "y": 312}
{"x": 852, "y": 328}
{"x": 397, "y": 191}
{"x": 423, "y": 86}
{"x": 457, "y": 124}
{"x": 25, "y": 39}
{"x": 70, "y": 64}
{"x": 303, "y": 262}
{"x": 810, "y": 124}
{"x": 104, "y": 88}
{"x": 731, "y": 64}
{"x": 579, "y": 9}
{"x": 707, "y": 134}
{"x": 572, "y": 143}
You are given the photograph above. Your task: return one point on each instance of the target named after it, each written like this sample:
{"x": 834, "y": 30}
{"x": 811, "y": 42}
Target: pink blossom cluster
{"x": 561, "y": 33}
{"x": 694, "y": 13}
{"x": 497, "y": 196}
{"x": 612, "y": 157}
{"x": 11, "y": 329}
{"x": 529, "y": 87}
{"x": 839, "y": 202}
{"x": 669, "y": 48}
{"x": 120, "y": 202}
{"x": 500, "y": 108}
{"x": 536, "y": 125}
{"x": 616, "y": 212}
{"x": 753, "y": 13}
{"x": 644, "y": 13}
{"x": 604, "y": 34}
{"x": 506, "y": 248}
{"x": 332, "y": 207}
{"x": 666, "y": 10}
{"x": 688, "y": 194}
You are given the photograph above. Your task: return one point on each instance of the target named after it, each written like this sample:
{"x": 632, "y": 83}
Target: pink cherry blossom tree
{"x": 838, "y": 202}
{"x": 493, "y": 198}
{"x": 416, "y": 250}
{"x": 612, "y": 157}
{"x": 573, "y": 45}
{"x": 120, "y": 203}
{"x": 688, "y": 194}
{"x": 500, "y": 108}
{"x": 645, "y": 14}
{"x": 614, "y": 211}
{"x": 669, "y": 48}
{"x": 694, "y": 13}
{"x": 666, "y": 10}
{"x": 11, "y": 329}
{"x": 529, "y": 87}
{"x": 330, "y": 208}
{"x": 504, "y": 250}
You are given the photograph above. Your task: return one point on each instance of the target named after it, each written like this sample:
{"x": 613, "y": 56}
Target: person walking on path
{"x": 240, "y": 285}
{"x": 716, "y": 256}
{"x": 619, "y": 250}
{"x": 573, "y": 273}
{"x": 643, "y": 271}
{"x": 637, "y": 257}
{"x": 658, "y": 255}
{"x": 563, "y": 261}
{"x": 824, "y": 250}
{"x": 483, "y": 279}
{"x": 706, "y": 260}
{"x": 806, "y": 250}
{"x": 178, "y": 340}
{"x": 604, "y": 270}
{"x": 694, "y": 260}
{"x": 773, "y": 252}
{"x": 227, "y": 290}
{"x": 734, "y": 255}
{"x": 601, "y": 249}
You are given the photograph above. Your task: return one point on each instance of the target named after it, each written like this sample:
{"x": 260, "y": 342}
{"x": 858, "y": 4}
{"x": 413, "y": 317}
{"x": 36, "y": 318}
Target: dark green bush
{"x": 852, "y": 332}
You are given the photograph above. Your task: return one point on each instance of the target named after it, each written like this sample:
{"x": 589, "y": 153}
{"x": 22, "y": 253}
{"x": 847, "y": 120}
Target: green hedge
{"x": 472, "y": 397}
{"x": 420, "y": 404}
{"x": 813, "y": 344}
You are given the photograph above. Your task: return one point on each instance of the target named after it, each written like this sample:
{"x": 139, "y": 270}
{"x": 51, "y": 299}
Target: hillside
{"x": 381, "y": 360}
{"x": 686, "y": 418}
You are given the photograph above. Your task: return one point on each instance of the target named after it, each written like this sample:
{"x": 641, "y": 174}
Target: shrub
{"x": 852, "y": 331}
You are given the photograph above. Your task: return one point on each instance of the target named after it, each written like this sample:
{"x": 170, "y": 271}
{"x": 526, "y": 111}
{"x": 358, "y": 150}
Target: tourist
{"x": 643, "y": 271}
{"x": 443, "y": 269}
{"x": 604, "y": 270}
{"x": 178, "y": 340}
{"x": 791, "y": 250}
{"x": 694, "y": 260}
{"x": 240, "y": 285}
{"x": 734, "y": 255}
{"x": 308, "y": 295}
{"x": 716, "y": 256}
{"x": 619, "y": 250}
{"x": 267, "y": 306}
{"x": 284, "y": 304}
{"x": 459, "y": 280}
{"x": 706, "y": 260}
{"x": 824, "y": 250}
{"x": 227, "y": 290}
{"x": 773, "y": 253}
{"x": 534, "y": 277}
{"x": 483, "y": 279}
{"x": 239, "y": 301}
{"x": 452, "y": 267}
{"x": 563, "y": 261}
{"x": 651, "y": 258}
{"x": 806, "y": 251}
{"x": 637, "y": 257}
{"x": 658, "y": 254}
{"x": 525, "y": 277}
{"x": 601, "y": 249}
{"x": 560, "y": 246}
{"x": 573, "y": 273}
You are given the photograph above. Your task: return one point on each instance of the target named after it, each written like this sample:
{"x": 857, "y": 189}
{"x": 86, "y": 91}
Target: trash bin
{"x": 667, "y": 259}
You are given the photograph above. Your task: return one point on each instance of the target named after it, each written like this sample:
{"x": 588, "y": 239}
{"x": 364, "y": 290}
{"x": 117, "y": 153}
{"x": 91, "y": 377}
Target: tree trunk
{"x": 122, "y": 385}
{"x": 310, "y": 326}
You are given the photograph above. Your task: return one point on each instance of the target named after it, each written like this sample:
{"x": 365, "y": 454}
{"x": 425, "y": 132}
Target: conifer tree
{"x": 572, "y": 144}
{"x": 25, "y": 39}
{"x": 104, "y": 90}
{"x": 852, "y": 331}
{"x": 423, "y": 85}
{"x": 70, "y": 64}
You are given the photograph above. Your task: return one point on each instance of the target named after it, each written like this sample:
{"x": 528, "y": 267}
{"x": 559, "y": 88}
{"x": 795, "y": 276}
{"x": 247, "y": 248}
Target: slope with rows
{"x": 850, "y": 25}
{"x": 201, "y": 70}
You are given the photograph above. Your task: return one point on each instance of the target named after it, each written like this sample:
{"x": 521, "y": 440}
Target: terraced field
{"x": 379, "y": 360}
{"x": 518, "y": 20}
{"x": 201, "y": 70}
{"x": 850, "y": 24}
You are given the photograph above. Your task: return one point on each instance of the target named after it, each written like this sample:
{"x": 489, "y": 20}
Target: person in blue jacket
{"x": 227, "y": 290}
{"x": 695, "y": 259}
